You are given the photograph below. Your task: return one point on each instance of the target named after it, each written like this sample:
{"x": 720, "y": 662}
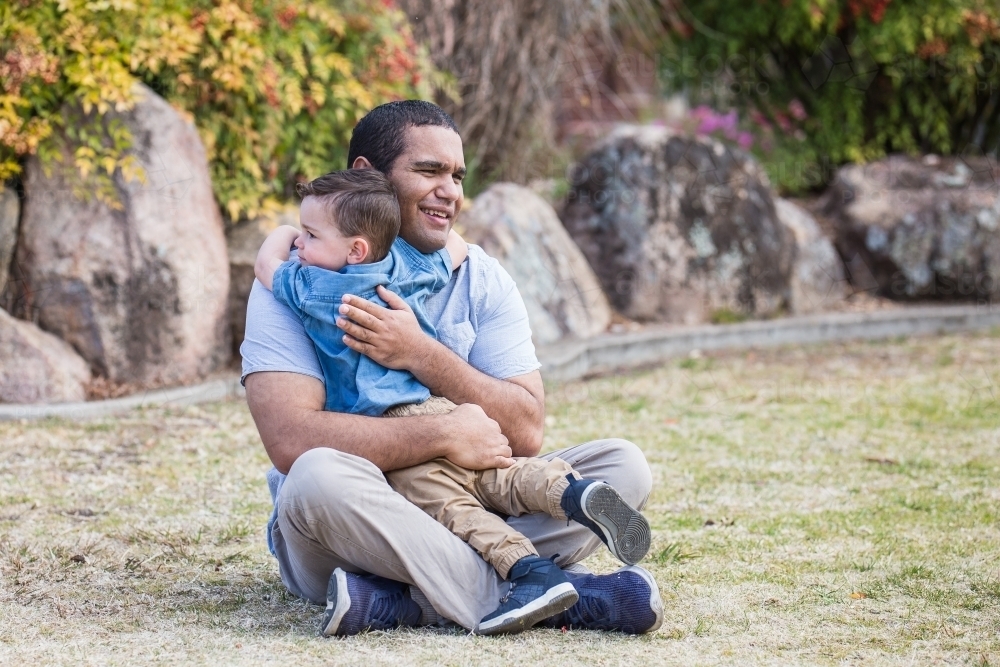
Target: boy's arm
{"x": 273, "y": 253}
{"x": 457, "y": 248}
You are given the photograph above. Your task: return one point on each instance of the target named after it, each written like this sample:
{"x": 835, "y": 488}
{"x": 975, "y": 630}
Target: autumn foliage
{"x": 274, "y": 88}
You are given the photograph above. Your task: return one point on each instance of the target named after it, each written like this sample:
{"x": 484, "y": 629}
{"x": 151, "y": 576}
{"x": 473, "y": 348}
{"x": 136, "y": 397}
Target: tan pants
{"x": 336, "y": 510}
{"x": 461, "y": 499}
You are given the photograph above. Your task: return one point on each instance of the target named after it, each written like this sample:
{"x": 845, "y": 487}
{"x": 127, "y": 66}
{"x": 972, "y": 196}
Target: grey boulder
{"x": 679, "y": 229}
{"x": 10, "y": 209}
{"x": 37, "y": 367}
{"x": 522, "y": 231}
{"x": 140, "y": 292}
{"x": 920, "y": 228}
{"x": 818, "y": 282}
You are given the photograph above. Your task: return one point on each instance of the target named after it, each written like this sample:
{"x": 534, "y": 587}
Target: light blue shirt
{"x": 479, "y": 315}
{"x": 355, "y": 383}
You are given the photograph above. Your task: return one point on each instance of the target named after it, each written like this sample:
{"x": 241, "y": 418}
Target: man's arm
{"x": 393, "y": 338}
{"x": 288, "y": 411}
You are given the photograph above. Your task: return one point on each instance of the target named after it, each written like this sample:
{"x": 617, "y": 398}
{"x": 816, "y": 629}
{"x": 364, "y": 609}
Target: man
{"x": 340, "y": 534}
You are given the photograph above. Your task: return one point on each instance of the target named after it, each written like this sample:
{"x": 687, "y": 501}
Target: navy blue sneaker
{"x": 538, "y": 589}
{"x": 599, "y": 507}
{"x": 626, "y": 600}
{"x": 359, "y": 602}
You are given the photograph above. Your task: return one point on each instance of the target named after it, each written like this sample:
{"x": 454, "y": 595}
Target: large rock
{"x": 923, "y": 228}
{"x": 522, "y": 231}
{"x": 243, "y": 241}
{"x": 37, "y": 367}
{"x": 818, "y": 282}
{"x": 679, "y": 229}
{"x": 10, "y": 209}
{"x": 139, "y": 292}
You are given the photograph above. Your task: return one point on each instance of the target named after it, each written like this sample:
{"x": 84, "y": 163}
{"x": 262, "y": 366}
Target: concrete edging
{"x": 619, "y": 352}
{"x": 215, "y": 390}
{"x": 609, "y": 353}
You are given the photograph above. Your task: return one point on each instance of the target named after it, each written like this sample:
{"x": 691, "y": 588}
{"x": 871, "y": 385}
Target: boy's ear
{"x": 358, "y": 252}
{"x": 361, "y": 162}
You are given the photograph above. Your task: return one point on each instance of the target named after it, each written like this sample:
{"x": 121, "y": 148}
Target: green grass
{"x": 821, "y": 505}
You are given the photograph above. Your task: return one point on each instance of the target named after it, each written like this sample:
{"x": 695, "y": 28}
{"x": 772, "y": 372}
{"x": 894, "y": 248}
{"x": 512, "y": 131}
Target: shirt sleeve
{"x": 275, "y": 338}
{"x": 289, "y": 285}
{"x": 503, "y": 346}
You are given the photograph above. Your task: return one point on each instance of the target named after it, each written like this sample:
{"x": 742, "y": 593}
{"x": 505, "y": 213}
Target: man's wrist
{"x": 426, "y": 358}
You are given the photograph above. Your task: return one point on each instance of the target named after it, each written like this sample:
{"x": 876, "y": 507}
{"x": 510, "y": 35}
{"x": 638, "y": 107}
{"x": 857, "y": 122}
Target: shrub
{"x": 833, "y": 81}
{"x": 274, "y": 88}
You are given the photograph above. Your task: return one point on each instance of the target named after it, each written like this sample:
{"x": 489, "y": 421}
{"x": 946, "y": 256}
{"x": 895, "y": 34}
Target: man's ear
{"x": 361, "y": 162}
{"x": 358, "y": 252}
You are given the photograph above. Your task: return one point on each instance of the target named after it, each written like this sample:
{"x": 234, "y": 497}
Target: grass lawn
{"x": 823, "y": 505}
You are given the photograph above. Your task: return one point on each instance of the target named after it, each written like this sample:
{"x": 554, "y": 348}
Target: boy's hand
{"x": 457, "y": 248}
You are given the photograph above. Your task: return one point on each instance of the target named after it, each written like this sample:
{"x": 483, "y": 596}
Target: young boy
{"x": 349, "y": 245}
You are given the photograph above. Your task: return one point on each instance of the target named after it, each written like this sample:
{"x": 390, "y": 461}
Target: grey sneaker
{"x": 599, "y": 507}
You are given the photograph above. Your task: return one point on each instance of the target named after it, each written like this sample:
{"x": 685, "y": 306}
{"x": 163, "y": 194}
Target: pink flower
{"x": 797, "y": 110}
{"x": 745, "y": 140}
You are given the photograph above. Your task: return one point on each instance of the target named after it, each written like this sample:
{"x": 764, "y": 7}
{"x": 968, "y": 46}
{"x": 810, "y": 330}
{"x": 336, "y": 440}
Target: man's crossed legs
{"x": 337, "y": 511}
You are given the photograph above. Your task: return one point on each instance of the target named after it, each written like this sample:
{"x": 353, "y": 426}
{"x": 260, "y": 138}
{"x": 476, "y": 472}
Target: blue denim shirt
{"x": 355, "y": 383}
{"x": 479, "y": 316}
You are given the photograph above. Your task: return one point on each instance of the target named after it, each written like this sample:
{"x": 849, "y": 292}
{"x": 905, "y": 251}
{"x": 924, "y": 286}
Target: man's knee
{"x": 324, "y": 477}
{"x": 628, "y": 471}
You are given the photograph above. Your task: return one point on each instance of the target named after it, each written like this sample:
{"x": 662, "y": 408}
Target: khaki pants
{"x": 336, "y": 510}
{"x": 461, "y": 499}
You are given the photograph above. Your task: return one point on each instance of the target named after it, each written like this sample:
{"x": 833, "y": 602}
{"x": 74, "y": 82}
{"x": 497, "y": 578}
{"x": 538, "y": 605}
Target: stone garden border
{"x": 618, "y": 352}
{"x": 216, "y": 390}
{"x": 609, "y": 353}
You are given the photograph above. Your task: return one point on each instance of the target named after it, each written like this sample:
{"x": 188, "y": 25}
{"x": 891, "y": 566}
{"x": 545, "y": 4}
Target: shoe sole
{"x": 338, "y": 603}
{"x": 555, "y": 600}
{"x": 626, "y": 531}
{"x": 655, "y": 601}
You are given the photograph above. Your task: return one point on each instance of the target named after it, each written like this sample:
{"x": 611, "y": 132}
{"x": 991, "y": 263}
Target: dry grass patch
{"x": 824, "y": 505}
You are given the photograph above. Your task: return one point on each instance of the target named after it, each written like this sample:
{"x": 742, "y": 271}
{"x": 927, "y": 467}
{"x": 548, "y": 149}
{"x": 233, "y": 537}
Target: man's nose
{"x": 449, "y": 190}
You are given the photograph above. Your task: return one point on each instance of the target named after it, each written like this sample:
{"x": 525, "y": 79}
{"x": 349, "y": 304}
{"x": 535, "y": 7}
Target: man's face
{"x": 428, "y": 180}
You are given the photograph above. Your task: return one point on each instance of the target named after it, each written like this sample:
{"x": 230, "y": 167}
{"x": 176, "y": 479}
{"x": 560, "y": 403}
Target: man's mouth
{"x": 439, "y": 214}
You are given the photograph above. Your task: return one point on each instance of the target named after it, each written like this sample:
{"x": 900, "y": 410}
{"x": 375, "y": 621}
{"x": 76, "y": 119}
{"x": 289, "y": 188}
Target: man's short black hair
{"x": 380, "y": 135}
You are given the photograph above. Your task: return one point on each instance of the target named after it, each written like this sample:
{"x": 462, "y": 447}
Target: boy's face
{"x": 320, "y": 243}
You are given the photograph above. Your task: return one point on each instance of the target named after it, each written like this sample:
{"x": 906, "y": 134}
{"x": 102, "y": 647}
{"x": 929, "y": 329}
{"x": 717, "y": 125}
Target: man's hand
{"x": 288, "y": 411}
{"x": 476, "y": 440}
{"x": 392, "y": 338}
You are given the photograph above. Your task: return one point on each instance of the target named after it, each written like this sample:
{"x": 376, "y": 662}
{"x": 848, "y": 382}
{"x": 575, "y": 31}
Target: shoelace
{"x": 588, "y": 609}
{"x": 384, "y": 611}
